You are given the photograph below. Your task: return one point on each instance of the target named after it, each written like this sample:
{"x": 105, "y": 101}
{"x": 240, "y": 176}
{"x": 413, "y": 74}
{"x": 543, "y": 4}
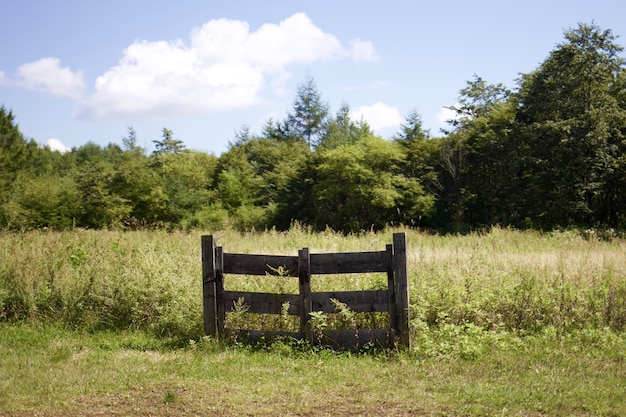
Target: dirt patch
{"x": 186, "y": 402}
{"x": 153, "y": 402}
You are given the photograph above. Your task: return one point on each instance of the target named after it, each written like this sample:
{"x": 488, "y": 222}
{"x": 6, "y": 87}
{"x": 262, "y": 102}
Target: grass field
{"x": 502, "y": 323}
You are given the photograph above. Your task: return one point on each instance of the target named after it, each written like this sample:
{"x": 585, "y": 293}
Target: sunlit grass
{"x": 48, "y": 370}
{"x": 500, "y": 280}
{"x": 502, "y": 323}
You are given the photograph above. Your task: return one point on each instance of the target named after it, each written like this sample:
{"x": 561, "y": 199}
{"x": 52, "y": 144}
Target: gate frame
{"x": 394, "y": 300}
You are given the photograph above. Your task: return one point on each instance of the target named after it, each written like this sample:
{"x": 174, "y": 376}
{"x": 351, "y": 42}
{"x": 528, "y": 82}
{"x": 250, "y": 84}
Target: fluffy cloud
{"x": 224, "y": 66}
{"x": 47, "y": 75}
{"x": 57, "y": 145}
{"x": 379, "y": 116}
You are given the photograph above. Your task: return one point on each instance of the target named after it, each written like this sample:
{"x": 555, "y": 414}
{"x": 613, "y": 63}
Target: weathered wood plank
{"x": 357, "y": 301}
{"x": 348, "y": 262}
{"x": 391, "y": 289}
{"x": 219, "y": 289}
{"x": 262, "y": 303}
{"x": 236, "y": 263}
{"x": 395, "y": 300}
{"x": 304, "y": 277}
{"x": 271, "y": 303}
{"x": 208, "y": 285}
{"x": 401, "y": 278}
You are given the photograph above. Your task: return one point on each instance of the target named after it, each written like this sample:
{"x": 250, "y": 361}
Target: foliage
{"x": 306, "y": 120}
{"x": 360, "y": 186}
{"x": 573, "y": 125}
{"x": 548, "y": 154}
{"x": 342, "y": 130}
{"x": 253, "y": 177}
{"x": 16, "y": 154}
{"x": 478, "y": 164}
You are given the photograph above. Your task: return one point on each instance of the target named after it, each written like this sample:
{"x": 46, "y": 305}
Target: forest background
{"x": 551, "y": 153}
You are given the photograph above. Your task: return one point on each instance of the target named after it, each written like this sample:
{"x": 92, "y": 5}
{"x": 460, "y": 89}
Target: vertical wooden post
{"x": 208, "y": 285}
{"x": 401, "y": 289}
{"x": 391, "y": 292}
{"x": 304, "y": 277}
{"x": 219, "y": 290}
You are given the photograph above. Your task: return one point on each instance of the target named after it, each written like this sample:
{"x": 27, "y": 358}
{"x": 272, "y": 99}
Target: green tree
{"x": 573, "y": 125}
{"x": 478, "y": 99}
{"x": 21, "y": 161}
{"x": 482, "y": 154}
{"x": 44, "y": 201}
{"x": 101, "y": 207}
{"x": 166, "y": 148}
{"x": 417, "y": 147}
{"x": 16, "y": 153}
{"x": 342, "y": 130}
{"x": 306, "y": 120}
{"x": 141, "y": 186}
{"x": 420, "y": 156}
{"x": 168, "y": 145}
{"x": 253, "y": 176}
{"x": 360, "y": 186}
{"x": 188, "y": 187}
{"x": 130, "y": 141}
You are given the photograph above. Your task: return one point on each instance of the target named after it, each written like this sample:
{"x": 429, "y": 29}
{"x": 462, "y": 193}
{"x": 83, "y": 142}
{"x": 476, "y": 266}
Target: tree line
{"x": 550, "y": 153}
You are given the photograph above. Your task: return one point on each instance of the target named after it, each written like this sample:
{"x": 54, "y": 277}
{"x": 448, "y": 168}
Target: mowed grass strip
{"x": 45, "y": 370}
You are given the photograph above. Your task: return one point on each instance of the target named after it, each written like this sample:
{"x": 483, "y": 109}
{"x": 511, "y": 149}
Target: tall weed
{"x": 502, "y": 280}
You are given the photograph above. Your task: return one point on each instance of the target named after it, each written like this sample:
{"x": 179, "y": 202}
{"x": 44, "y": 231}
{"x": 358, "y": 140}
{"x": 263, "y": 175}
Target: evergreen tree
{"x": 129, "y": 142}
{"x": 16, "y": 153}
{"x": 342, "y": 130}
{"x": 573, "y": 125}
{"x": 306, "y": 120}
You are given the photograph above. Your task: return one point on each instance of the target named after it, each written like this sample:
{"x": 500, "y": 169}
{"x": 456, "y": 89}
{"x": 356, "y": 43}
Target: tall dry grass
{"x": 500, "y": 280}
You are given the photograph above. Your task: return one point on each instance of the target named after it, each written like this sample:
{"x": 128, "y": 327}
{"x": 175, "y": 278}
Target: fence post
{"x": 391, "y": 293}
{"x": 219, "y": 290}
{"x": 208, "y": 285}
{"x": 304, "y": 277}
{"x": 401, "y": 289}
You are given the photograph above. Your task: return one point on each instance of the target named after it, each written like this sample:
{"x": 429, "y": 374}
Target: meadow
{"x": 503, "y": 322}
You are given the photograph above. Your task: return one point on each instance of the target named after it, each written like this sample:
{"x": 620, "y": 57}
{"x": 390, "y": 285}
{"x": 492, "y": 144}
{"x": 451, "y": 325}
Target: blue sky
{"x": 79, "y": 71}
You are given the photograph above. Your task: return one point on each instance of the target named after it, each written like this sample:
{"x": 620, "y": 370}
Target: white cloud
{"x": 296, "y": 39}
{"x": 362, "y": 50}
{"x": 224, "y": 66}
{"x": 47, "y": 75}
{"x": 57, "y": 145}
{"x": 445, "y": 114}
{"x": 378, "y": 115}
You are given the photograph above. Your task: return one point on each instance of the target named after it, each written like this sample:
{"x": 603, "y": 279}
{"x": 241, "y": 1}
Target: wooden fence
{"x": 394, "y": 300}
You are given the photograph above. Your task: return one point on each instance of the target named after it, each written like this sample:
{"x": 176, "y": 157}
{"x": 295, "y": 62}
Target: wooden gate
{"x": 394, "y": 300}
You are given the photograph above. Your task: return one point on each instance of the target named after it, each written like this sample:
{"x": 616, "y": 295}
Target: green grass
{"x": 501, "y": 280}
{"x": 46, "y": 370}
{"x": 502, "y": 323}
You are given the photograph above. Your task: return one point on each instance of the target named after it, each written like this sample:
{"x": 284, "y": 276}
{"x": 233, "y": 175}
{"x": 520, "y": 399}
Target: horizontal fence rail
{"x": 393, "y": 300}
